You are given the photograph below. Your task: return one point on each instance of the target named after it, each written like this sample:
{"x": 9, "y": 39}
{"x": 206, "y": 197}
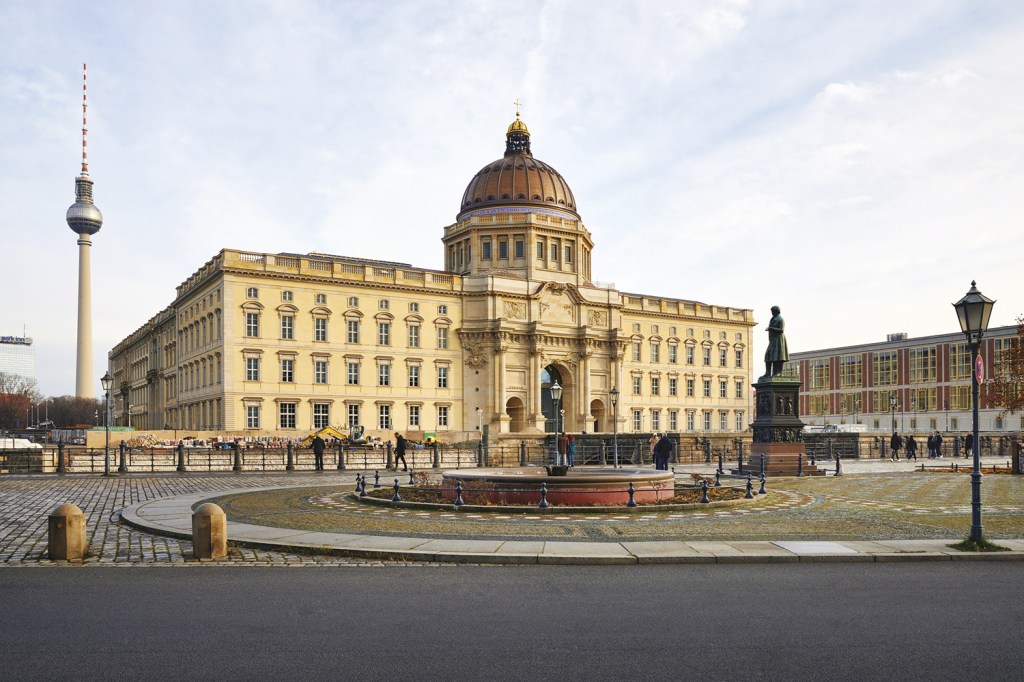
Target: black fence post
{"x": 237, "y": 456}
{"x": 390, "y": 464}
{"x": 60, "y": 459}
{"x": 122, "y": 466}
{"x": 341, "y": 456}
{"x": 437, "y": 454}
{"x": 181, "y": 457}
{"x": 522, "y": 453}
{"x": 479, "y": 453}
{"x": 290, "y": 465}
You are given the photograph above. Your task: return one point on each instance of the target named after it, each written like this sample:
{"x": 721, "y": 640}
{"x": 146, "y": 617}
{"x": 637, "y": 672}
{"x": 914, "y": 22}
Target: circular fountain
{"x": 593, "y": 486}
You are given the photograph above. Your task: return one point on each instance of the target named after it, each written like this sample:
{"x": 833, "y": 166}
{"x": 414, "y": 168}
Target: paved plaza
{"x": 878, "y": 510}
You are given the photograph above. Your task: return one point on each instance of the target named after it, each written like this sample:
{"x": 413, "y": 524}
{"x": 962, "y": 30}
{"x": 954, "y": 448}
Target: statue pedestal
{"x": 778, "y": 431}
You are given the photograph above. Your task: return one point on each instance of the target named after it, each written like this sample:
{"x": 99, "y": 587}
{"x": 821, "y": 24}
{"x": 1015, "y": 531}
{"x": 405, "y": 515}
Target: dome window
{"x": 520, "y": 196}
{"x": 536, "y": 197}
{"x": 550, "y": 199}
{"x": 490, "y": 197}
{"x": 505, "y": 196}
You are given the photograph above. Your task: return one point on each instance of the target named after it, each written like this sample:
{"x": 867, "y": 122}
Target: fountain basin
{"x": 579, "y": 487}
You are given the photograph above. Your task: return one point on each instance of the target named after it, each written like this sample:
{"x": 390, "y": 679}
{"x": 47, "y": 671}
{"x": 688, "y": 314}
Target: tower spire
{"x": 85, "y": 128}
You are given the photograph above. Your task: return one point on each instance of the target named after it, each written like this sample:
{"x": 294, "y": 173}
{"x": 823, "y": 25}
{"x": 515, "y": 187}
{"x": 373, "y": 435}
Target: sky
{"x": 857, "y": 163}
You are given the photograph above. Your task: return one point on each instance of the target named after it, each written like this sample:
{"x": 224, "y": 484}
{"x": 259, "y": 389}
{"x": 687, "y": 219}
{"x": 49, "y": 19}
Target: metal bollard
{"x": 800, "y": 465}
{"x": 290, "y": 465}
{"x": 814, "y": 461}
{"x": 741, "y": 459}
{"x": 543, "y": 495}
{"x": 437, "y": 455}
{"x": 341, "y": 456}
{"x": 237, "y": 452}
{"x": 396, "y": 497}
{"x": 839, "y": 466}
{"x": 632, "y": 502}
{"x": 411, "y": 481}
{"x": 762, "y": 491}
{"x": 704, "y": 492}
{"x": 522, "y": 453}
{"x": 720, "y": 469}
{"x": 762, "y": 464}
{"x": 718, "y": 479}
{"x": 66, "y": 534}
{"x": 357, "y": 483}
{"x": 362, "y": 486}
{"x": 376, "y": 479}
{"x": 750, "y": 488}
{"x": 181, "y": 457}
{"x": 479, "y": 453}
{"x": 209, "y": 532}
{"x": 122, "y": 466}
{"x": 458, "y": 494}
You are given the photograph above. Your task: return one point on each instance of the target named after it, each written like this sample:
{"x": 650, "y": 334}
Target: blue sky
{"x": 857, "y": 163}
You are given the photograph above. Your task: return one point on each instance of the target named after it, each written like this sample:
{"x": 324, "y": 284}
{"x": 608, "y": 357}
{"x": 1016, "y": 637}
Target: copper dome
{"x": 518, "y": 179}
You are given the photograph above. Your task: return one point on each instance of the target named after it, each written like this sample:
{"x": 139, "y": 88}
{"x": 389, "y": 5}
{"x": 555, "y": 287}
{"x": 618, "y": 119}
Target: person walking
{"x": 571, "y": 450}
{"x": 938, "y": 445}
{"x": 969, "y": 445}
{"x": 662, "y": 452}
{"x": 318, "y": 452}
{"x": 654, "y": 443}
{"x": 911, "y": 448}
{"x": 563, "y": 449}
{"x": 400, "y": 452}
{"x": 896, "y": 444}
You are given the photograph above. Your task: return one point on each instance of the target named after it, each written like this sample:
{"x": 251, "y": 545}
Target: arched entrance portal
{"x": 597, "y": 412}
{"x": 548, "y": 377}
{"x": 516, "y": 411}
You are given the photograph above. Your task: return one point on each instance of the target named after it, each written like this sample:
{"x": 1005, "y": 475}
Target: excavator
{"x": 355, "y": 437}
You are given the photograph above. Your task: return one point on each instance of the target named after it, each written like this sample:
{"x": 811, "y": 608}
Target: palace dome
{"x": 518, "y": 179}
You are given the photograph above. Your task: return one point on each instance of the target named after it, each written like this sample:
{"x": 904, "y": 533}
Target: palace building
{"x": 280, "y": 344}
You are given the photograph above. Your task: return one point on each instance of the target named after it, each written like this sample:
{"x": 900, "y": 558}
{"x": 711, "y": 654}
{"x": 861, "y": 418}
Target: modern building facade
{"x": 18, "y": 356}
{"x": 285, "y": 343}
{"x": 929, "y": 377}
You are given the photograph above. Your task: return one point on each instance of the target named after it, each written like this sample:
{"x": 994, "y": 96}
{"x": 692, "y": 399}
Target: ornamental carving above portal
{"x": 473, "y": 354}
{"x": 515, "y": 310}
{"x": 597, "y": 318}
{"x": 557, "y": 288}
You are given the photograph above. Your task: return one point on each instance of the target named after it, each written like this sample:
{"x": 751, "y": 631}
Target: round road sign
{"x": 979, "y": 370}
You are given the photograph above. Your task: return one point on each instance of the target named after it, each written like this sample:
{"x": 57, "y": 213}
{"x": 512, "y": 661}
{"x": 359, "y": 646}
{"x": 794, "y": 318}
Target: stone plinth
{"x": 209, "y": 532}
{"x": 778, "y": 431}
{"x": 67, "y": 533}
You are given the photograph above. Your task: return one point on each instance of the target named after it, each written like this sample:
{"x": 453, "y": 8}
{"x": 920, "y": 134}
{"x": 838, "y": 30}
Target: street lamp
{"x": 106, "y": 382}
{"x": 892, "y": 406}
{"x": 614, "y": 395}
{"x": 556, "y": 400}
{"x": 974, "y": 311}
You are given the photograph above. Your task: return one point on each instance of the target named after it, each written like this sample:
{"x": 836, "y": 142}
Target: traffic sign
{"x": 979, "y": 370}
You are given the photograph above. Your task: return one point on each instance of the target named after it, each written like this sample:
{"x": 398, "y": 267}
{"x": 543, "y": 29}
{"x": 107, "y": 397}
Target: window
{"x": 442, "y": 416}
{"x": 554, "y": 251}
{"x": 321, "y": 415}
{"x": 286, "y": 296}
{"x": 723, "y": 357}
{"x": 568, "y": 254}
{"x": 723, "y": 388}
{"x": 673, "y": 354}
{"x": 739, "y": 388}
{"x": 655, "y": 420}
{"x": 414, "y": 336}
{"x": 252, "y": 292}
{"x": 252, "y": 416}
{"x": 353, "y": 415}
{"x": 384, "y": 333}
{"x": 520, "y": 248}
{"x": 959, "y": 361}
{"x": 739, "y": 359}
{"x": 959, "y": 398}
{"x": 384, "y": 304}
{"x": 818, "y": 404}
{"x": 287, "y": 371}
{"x": 383, "y": 374}
{"x": 636, "y": 327}
{"x": 442, "y": 310}
{"x": 442, "y": 337}
{"x": 723, "y": 421}
{"x": 922, "y": 365}
{"x": 414, "y": 307}
{"x": 689, "y": 388}
{"x": 485, "y": 251}
{"x": 414, "y": 376}
{"x": 954, "y": 424}
{"x": 655, "y": 386}
{"x": 414, "y": 416}
{"x": 287, "y": 327}
{"x": 707, "y": 388}
{"x": 691, "y": 420}
{"x": 884, "y": 368}
{"x": 540, "y": 249}
{"x": 673, "y": 386}
{"x": 287, "y": 415}
{"x": 353, "y": 331}
{"x": 636, "y": 351}
{"x": 707, "y": 333}
{"x": 252, "y": 324}
{"x": 819, "y": 371}
{"x": 638, "y": 420}
{"x": 740, "y": 425}
{"x": 503, "y": 250}
{"x": 252, "y": 369}
{"x": 353, "y": 302}
{"x": 850, "y": 371}
{"x": 383, "y": 416}
{"x": 442, "y": 377}
{"x": 689, "y": 355}
{"x": 673, "y": 420}
{"x": 321, "y": 299}
{"x": 636, "y": 385}
{"x": 320, "y": 371}
{"x": 707, "y": 357}
{"x": 353, "y": 374}
{"x": 707, "y": 421}
{"x": 655, "y": 351}
{"x": 320, "y": 329}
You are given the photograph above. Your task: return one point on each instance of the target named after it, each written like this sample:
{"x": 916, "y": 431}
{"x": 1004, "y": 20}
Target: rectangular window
{"x": 850, "y": 371}
{"x": 960, "y": 398}
{"x": 353, "y": 331}
{"x": 252, "y": 369}
{"x": 287, "y": 371}
{"x": 723, "y": 421}
{"x": 287, "y": 415}
{"x": 442, "y": 377}
{"x": 384, "y": 333}
{"x": 707, "y": 357}
{"x": 287, "y": 327}
{"x": 320, "y": 329}
{"x": 353, "y": 302}
{"x": 414, "y": 336}
{"x": 554, "y": 251}
{"x": 959, "y": 361}
{"x": 740, "y": 425}
{"x": 320, "y": 371}
{"x": 739, "y": 359}
{"x": 442, "y": 337}
{"x": 442, "y": 310}
{"x": 689, "y": 355}
{"x": 383, "y": 375}
{"x": 503, "y": 250}
{"x": 673, "y": 420}
{"x": 636, "y": 385}
{"x": 655, "y": 386}
{"x": 739, "y": 388}
{"x": 353, "y": 416}
{"x": 485, "y": 251}
{"x": 673, "y": 386}
{"x": 884, "y": 366}
{"x": 922, "y": 365}
{"x": 819, "y": 404}
{"x": 442, "y": 416}
{"x": 414, "y": 307}
{"x": 414, "y": 416}
{"x": 384, "y": 417}
{"x": 414, "y": 376}
{"x": 638, "y": 420}
{"x": 922, "y": 399}
{"x": 818, "y": 370}
{"x": 723, "y": 388}
{"x": 321, "y": 415}
{"x": 252, "y": 292}
{"x": 655, "y": 351}
{"x": 723, "y": 355}
{"x": 252, "y": 417}
{"x": 655, "y": 420}
{"x": 321, "y": 299}
{"x": 673, "y": 354}
{"x": 954, "y": 424}
{"x": 568, "y": 254}
{"x": 689, "y": 388}
{"x": 707, "y": 388}
{"x": 252, "y": 324}
{"x": 520, "y": 248}
{"x": 691, "y": 421}
{"x": 353, "y": 374}
{"x": 384, "y": 304}
{"x": 636, "y": 351}
{"x": 540, "y": 249}
{"x": 707, "y": 421}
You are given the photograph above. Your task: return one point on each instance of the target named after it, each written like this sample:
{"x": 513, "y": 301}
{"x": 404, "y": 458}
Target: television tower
{"x": 85, "y": 220}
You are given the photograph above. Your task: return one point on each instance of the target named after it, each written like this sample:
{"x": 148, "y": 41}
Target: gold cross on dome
{"x": 518, "y": 104}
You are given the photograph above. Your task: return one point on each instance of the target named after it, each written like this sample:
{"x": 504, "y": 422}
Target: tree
{"x": 1008, "y": 382}
{"x": 67, "y": 411}
{"x": 17, "y": 393}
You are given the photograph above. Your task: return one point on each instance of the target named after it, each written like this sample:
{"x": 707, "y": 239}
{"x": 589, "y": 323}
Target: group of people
{"x": 566, "y": 449}
{"x": 319, "y": 445}
{"x": 661, "y": 450}
{"x": 897, "y": 443}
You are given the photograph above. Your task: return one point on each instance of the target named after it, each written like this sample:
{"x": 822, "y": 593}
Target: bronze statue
{"x": 777, "y": 353}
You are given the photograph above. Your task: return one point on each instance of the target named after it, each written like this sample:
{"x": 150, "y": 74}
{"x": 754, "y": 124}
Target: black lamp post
{"x": 892, "y": 406}
{"x": 556, "y": 400}
{"x": 974, "y": 311}
{"x": 106, "y": 382}
{"x": 614, "y": 395}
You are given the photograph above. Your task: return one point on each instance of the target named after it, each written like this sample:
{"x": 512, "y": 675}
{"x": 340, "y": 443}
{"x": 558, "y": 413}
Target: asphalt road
{"x": 906, "y": 621}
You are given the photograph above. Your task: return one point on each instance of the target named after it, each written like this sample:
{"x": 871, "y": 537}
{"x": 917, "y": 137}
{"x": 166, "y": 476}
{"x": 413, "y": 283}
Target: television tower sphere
{"x": 83, "y": 217}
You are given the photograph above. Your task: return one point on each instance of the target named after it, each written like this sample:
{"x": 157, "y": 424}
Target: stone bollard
{"x": 437, "y": 455}
{"x": 61, "y": 469}
{"x": 209, "y": 532}
{"x": 522, "y": 453}
{"x": 67, "y": 533}
{"x": 290, "y": 464}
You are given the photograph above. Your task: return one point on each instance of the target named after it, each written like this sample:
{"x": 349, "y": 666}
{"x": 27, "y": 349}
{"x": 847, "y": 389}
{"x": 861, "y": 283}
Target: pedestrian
{"x": 896, "y": 444}
{"x": 563, "y": 449}
{"x": 938, "y": 445}
{"x": 911, "y": 448}
{"x": 400, "y": 452}
{"x": 662, "y": 452}
{"x": 654, "y": 442}
{"x": 969, "y": 445}
{"x": 571, "y": 450}
{"x": 931, "y": 446}
{"x": 318, "y": 452}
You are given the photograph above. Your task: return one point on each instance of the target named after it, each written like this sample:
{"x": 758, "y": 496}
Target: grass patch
{"x": 982, "y": 545}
